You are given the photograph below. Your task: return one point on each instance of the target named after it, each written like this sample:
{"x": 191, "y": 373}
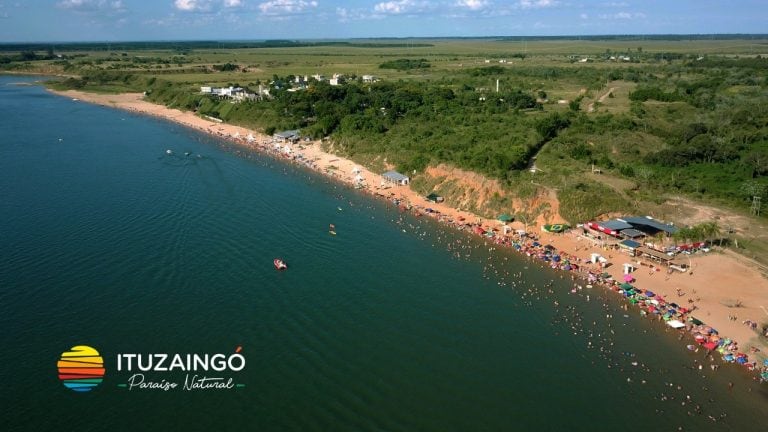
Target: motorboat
{"x": 280, "y": 264}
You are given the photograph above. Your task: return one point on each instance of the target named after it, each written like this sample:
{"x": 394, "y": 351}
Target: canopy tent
{"x": 505, "y": 218}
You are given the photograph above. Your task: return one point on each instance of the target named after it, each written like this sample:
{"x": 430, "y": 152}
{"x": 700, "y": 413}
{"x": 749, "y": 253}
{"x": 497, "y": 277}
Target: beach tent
{"x": 675, "y": 324}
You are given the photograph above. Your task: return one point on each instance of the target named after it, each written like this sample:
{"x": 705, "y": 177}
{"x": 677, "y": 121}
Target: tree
{"x": 758, "y": 161}
{"x": 711, "y": 231}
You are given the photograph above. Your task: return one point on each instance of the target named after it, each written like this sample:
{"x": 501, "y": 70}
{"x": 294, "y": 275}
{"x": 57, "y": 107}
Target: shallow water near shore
{"x": 109, "y": 241}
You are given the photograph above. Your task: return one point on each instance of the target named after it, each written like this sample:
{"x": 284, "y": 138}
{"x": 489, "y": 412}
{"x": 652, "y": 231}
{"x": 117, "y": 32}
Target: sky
{"x": 137, "y": 20}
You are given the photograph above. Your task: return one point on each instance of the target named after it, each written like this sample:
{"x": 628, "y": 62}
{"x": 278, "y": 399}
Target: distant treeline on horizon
{"x": 352, "y": 42}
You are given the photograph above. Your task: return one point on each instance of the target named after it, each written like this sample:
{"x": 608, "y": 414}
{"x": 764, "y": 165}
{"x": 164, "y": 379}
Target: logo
{"x": 81, "y": 368}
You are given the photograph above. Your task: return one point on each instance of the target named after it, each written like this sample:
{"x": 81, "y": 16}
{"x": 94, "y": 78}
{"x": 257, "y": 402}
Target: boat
{"x": 280, "y": 264}
{"x": 169, "y": 151}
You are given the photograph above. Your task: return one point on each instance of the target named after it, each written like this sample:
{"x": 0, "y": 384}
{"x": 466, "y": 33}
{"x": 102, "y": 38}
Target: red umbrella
{"x": 710, "y": 345}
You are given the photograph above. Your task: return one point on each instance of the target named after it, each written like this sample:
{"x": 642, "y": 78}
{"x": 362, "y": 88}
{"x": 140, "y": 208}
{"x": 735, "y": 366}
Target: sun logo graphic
{"x": 81, "y": 368}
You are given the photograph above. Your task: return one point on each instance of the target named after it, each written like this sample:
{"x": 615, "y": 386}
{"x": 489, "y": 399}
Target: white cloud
{"x": 622, "y": 16}
{"x": 206, "y": 5}
{"x": 192, "y": 5}
{"x": 536, "y": 4}
{"x": 614, "y": 4}
{"x": 347, "y": 15}
{"x": 584, "y": 16}
{"x": 92, "y": 5}
{"x": 286, "y": 7}
{"x": 398, "y": 7}
{"x": 472, "y": 4}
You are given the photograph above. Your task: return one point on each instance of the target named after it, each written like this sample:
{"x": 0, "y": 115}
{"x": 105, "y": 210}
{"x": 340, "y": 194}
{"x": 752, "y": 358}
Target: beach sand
{"x": 716, "y": 283}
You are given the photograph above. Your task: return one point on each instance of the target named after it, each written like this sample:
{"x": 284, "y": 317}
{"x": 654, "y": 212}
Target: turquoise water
{"x": 108, "y": 241}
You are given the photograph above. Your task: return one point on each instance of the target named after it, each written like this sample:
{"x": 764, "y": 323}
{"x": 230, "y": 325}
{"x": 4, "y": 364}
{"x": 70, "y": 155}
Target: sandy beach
{"x": 724, "y": 291}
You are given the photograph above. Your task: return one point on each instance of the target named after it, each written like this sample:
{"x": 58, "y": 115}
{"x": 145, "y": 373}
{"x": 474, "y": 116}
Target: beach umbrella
{"x": 628, "y": 278}
{"x": 649, "y": 294}
{"x": 710, "y": 345}
{"x": 556, "y": 258}
{"x": 626, "y": 286}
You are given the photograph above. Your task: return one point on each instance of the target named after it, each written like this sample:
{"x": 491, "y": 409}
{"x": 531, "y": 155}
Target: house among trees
{"x": 237, "y": 94}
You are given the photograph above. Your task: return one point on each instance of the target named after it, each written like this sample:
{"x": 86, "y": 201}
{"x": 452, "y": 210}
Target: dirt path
{"x": 591, "y": 106}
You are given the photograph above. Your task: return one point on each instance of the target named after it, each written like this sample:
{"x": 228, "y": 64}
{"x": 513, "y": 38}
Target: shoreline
{"x": 716, "y": 280}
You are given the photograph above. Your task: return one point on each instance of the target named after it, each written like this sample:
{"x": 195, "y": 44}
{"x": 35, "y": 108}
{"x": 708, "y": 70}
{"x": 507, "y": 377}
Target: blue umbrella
{"x": 649, "y": 294}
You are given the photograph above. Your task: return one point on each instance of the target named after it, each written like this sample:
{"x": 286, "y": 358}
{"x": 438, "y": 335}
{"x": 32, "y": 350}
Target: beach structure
{"x": 396, "y": 178}
{"x": 629, "y": 246}
{"x": 649, "y": 225}
{"x": 632, "y": 227}
{"x": 288, "y": 136}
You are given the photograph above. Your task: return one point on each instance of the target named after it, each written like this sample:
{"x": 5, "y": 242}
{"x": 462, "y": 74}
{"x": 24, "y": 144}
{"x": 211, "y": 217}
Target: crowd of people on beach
{"x": 584, "y": 272}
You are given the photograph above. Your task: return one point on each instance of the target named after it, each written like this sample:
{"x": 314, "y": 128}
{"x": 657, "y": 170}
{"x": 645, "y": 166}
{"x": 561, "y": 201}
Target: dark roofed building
{"x": 287, "y": 136}
{"x": 631, "y": 233}
{"x": 649, "y": 225}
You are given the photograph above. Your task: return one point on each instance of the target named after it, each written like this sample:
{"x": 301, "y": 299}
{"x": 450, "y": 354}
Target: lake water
{"x": 108, "y": 241}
